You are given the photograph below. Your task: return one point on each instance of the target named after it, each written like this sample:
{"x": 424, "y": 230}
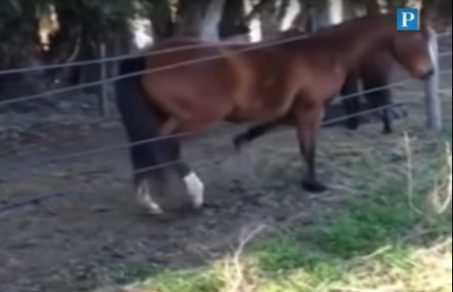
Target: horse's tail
{"x": 138, "y": 120}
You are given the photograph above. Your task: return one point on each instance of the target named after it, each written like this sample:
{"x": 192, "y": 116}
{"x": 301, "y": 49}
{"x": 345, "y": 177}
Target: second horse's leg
{"x": 380, "y": 99}
{"x": 351, "y": 104}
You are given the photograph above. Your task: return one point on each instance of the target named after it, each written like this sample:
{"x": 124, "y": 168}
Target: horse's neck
{"x": 352, "y": 47}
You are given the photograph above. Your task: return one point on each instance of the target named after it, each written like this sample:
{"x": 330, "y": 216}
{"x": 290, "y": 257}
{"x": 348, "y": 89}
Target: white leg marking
{"x": 145, "y": 199}
{"x": 195, "y": 188}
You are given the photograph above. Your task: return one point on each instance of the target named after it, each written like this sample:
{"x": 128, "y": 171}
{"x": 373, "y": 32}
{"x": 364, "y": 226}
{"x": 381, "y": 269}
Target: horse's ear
{"x": 426, "y": 17}
{"x": 423, "y": 20}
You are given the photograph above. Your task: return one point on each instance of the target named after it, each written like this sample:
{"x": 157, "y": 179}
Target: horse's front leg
{"x": 308, "y": 122}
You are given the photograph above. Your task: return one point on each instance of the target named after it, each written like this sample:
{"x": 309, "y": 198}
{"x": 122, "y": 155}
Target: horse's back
{"x": 185, "y": 62}
{"x": 238, "y": 81}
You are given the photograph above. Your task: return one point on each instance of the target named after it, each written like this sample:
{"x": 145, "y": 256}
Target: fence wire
{"x": 250, "y": 47}
{"x": 139, "y": 54}
{"x": 45, "y": 197}
{"x": 101, "y": 150}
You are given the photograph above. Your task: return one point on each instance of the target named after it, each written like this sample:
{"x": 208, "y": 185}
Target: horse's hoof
{"x": 387, "y": 131}
{"x": 352, "y": 126}
{"x": 313, "y": 186}
{"x": 239, "y": 142}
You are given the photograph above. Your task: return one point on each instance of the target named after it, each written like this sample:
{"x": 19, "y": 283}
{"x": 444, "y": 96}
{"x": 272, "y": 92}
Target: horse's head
{"x": 416, "y": 51}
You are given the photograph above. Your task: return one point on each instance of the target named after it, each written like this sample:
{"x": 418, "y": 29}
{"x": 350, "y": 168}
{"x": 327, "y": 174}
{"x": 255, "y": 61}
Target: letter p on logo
{"x": 408, "y": 19}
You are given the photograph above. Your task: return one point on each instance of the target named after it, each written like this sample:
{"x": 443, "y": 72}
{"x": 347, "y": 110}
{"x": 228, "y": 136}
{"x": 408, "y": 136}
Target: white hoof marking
{"x": 145, "y": 199}
{"x": 195, "y": 188}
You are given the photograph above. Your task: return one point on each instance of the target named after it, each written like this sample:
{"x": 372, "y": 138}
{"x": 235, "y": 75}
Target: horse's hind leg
{"x": 308, "y": 122}
{"x": 164, "y": 183}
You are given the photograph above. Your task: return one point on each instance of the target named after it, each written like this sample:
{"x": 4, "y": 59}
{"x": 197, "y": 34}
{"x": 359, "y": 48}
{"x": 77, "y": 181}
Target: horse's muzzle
{"x": 429, "y": 73}
{"x": 424, "y": 74}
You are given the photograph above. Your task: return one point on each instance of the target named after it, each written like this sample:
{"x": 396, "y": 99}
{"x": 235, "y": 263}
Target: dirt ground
{"x": 92, "y": 234}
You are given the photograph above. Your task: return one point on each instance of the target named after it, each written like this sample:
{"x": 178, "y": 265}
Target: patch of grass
{"x": 365, "y": 225}
{"x": 384, "y": 239}
{"x": 206, "y": 281}
{"x": 124, "y": 275}
{"x": 280, "y": 255}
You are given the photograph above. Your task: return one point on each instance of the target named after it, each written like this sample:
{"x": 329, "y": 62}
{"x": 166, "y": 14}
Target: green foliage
{"x": 17, "y": 27}
{"x": 184, "y": 282}
{"x": 98, "y": 19}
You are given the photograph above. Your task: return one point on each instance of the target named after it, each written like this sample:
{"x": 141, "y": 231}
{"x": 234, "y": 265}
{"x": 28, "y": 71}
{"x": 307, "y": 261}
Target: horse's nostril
{"x": 429, "y": 73}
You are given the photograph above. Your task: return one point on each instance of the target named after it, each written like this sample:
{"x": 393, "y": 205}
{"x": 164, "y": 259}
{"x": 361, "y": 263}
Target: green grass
{"x": 373, "y": 240}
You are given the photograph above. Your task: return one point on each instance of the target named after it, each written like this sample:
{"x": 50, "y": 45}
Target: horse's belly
{"x": 259, "y": 110}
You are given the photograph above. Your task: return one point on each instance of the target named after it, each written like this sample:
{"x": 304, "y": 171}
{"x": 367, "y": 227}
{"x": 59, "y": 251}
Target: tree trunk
{"x": 233, "y": 23}
{"x": 300, "y": 21}
{"x": 283, "y": 10}
{"x": 200, "y": 19}
{"x": 211, "y": 21}
{"x": 335, "y": 11}
{"x": 162, "y": 23}
{"x": 270, "y": 25}
{"x": 353, "y": 9}
{"x": 392, "y": 5}
{"x": 318, "y": 13}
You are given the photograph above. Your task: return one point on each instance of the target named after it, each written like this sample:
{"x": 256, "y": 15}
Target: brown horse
{"x": 290, "y": 82}
{"x": 373, "y": 73}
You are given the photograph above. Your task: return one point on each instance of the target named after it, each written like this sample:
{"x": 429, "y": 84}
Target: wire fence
{"x": 6, "y": 209}
{"x": 50, "y": 93}
{"x": 48, "y": 196}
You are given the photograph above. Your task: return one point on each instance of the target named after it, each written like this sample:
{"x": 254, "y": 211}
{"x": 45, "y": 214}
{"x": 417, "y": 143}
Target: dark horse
{"x": 288, "y": 82}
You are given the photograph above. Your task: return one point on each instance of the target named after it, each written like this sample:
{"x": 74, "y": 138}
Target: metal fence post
{"x": 104, "y": 98}
{"x": 433, "y": 101}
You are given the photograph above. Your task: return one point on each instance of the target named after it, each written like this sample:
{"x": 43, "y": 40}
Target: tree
{"x": 18, "y": 24}
{"x": 233, "y": 23}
